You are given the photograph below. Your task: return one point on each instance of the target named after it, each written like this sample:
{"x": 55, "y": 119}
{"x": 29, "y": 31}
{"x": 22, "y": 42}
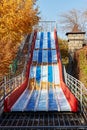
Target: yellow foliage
{"x": 17, "y": 17}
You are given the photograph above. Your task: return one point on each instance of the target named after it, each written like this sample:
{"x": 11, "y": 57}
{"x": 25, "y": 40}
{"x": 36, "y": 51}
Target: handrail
{"x": 78, "y": 89}
{"x": 8, "y": 86}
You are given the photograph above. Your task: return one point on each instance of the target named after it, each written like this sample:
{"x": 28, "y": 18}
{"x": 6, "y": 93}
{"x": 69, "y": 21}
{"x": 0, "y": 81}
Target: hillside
{"x": 80, "y": 65}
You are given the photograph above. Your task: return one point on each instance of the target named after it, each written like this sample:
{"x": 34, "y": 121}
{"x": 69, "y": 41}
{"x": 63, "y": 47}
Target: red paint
{"x": 11, "y": 99}
{"x": 70, "y": 97}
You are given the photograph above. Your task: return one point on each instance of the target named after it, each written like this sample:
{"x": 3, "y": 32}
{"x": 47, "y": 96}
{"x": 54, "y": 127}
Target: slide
{"x": 46, "y": 90}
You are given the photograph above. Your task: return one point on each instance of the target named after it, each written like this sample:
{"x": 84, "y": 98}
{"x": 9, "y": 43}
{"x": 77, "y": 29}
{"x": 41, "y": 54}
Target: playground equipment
{"x": 46, "y": 91}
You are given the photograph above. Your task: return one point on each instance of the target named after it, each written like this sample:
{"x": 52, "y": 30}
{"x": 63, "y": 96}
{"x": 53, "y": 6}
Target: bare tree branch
{"x": 72, "y": 18}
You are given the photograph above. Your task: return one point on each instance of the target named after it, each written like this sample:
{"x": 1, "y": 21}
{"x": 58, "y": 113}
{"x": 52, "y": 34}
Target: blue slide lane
{"x": 40, "y": 56}
{"x": 49, "y": 44}
{"x": 42, "y": 35}
{"x": 51, "y": 101}
{"x": 41, "y": 40}
{"x": 54, "y": 56}
{"x": 32, "y": 101}
{"x": 49, "y": 56}
{"x": 49, "y": 40}
{"x": 38, "y": 74}
{"x": 41, "y": 44}
{"x": 50, "y": 74}
{"x": 48, "y": 36}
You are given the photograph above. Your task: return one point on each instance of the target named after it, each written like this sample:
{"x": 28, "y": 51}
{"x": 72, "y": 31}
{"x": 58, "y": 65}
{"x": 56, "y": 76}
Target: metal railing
{"x": 7, "y": 86}
{"x": 78, "y": 89}
{"x": 19, "y": 53}
{"x": 46, "y": 26}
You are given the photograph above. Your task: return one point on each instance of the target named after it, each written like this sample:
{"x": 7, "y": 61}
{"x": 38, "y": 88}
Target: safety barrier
{"x": 78, "y": 89}
{"x": 45, "y": 26}
{"x": 70, "y": 97}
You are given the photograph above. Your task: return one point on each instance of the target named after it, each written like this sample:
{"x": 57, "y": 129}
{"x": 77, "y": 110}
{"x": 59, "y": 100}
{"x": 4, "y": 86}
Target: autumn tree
{"x": 17, "y": 18}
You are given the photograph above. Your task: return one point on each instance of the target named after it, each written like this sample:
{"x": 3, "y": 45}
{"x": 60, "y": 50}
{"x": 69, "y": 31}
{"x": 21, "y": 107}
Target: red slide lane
{"x": 12, "y": 97}
{"x": 70, "y": 97}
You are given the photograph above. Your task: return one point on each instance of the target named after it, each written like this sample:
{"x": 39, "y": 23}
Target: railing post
{"x": 76, "y": 87}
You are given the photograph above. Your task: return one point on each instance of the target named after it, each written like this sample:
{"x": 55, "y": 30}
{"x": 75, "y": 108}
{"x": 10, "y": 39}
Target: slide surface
{"x": 44, "y": 92}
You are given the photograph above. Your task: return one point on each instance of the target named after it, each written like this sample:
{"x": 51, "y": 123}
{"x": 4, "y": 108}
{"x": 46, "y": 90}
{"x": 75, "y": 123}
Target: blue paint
{"x": 49, "y": 56}
{"x": 40, "y": 56}
{"x": 48, "y": 35}
{"x": 50, "y": 74}
{"x": 32, "y": 101}
{"x": 42, "y": 35}
{"x": 41, "y": 40}
{"x": 52, "y": 102}
{"x": 41, "y": 44}
{"x": 38, "y": 74}
{"x": 49, "y": 40}
{"x": 49, "y": 44}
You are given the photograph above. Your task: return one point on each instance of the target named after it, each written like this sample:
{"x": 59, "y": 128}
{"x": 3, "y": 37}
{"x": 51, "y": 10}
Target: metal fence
{"x": 78, "y": 89}
{"x": 11, "y": 73}
{"x": 46, "y": 26}
{"x": 7, "y": 86}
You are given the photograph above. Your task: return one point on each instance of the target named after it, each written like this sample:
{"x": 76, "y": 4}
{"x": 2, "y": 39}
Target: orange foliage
{"x": 17, "y": 17}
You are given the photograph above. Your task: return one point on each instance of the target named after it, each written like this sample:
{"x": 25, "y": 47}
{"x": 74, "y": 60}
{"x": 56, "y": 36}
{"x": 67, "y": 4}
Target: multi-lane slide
{"x": 46, "y": 90}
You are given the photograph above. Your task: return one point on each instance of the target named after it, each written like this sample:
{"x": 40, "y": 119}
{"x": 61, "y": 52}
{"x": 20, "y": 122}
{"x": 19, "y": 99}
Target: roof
{"x": 75, "y": 30}
{"x": 75, "y": 33}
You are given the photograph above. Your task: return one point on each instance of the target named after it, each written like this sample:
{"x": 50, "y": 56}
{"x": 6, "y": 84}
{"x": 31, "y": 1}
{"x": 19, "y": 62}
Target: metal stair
{"x": 43, "y": 121}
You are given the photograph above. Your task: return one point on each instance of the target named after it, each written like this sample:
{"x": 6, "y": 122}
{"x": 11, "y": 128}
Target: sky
{"x": 52, "y": 9}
